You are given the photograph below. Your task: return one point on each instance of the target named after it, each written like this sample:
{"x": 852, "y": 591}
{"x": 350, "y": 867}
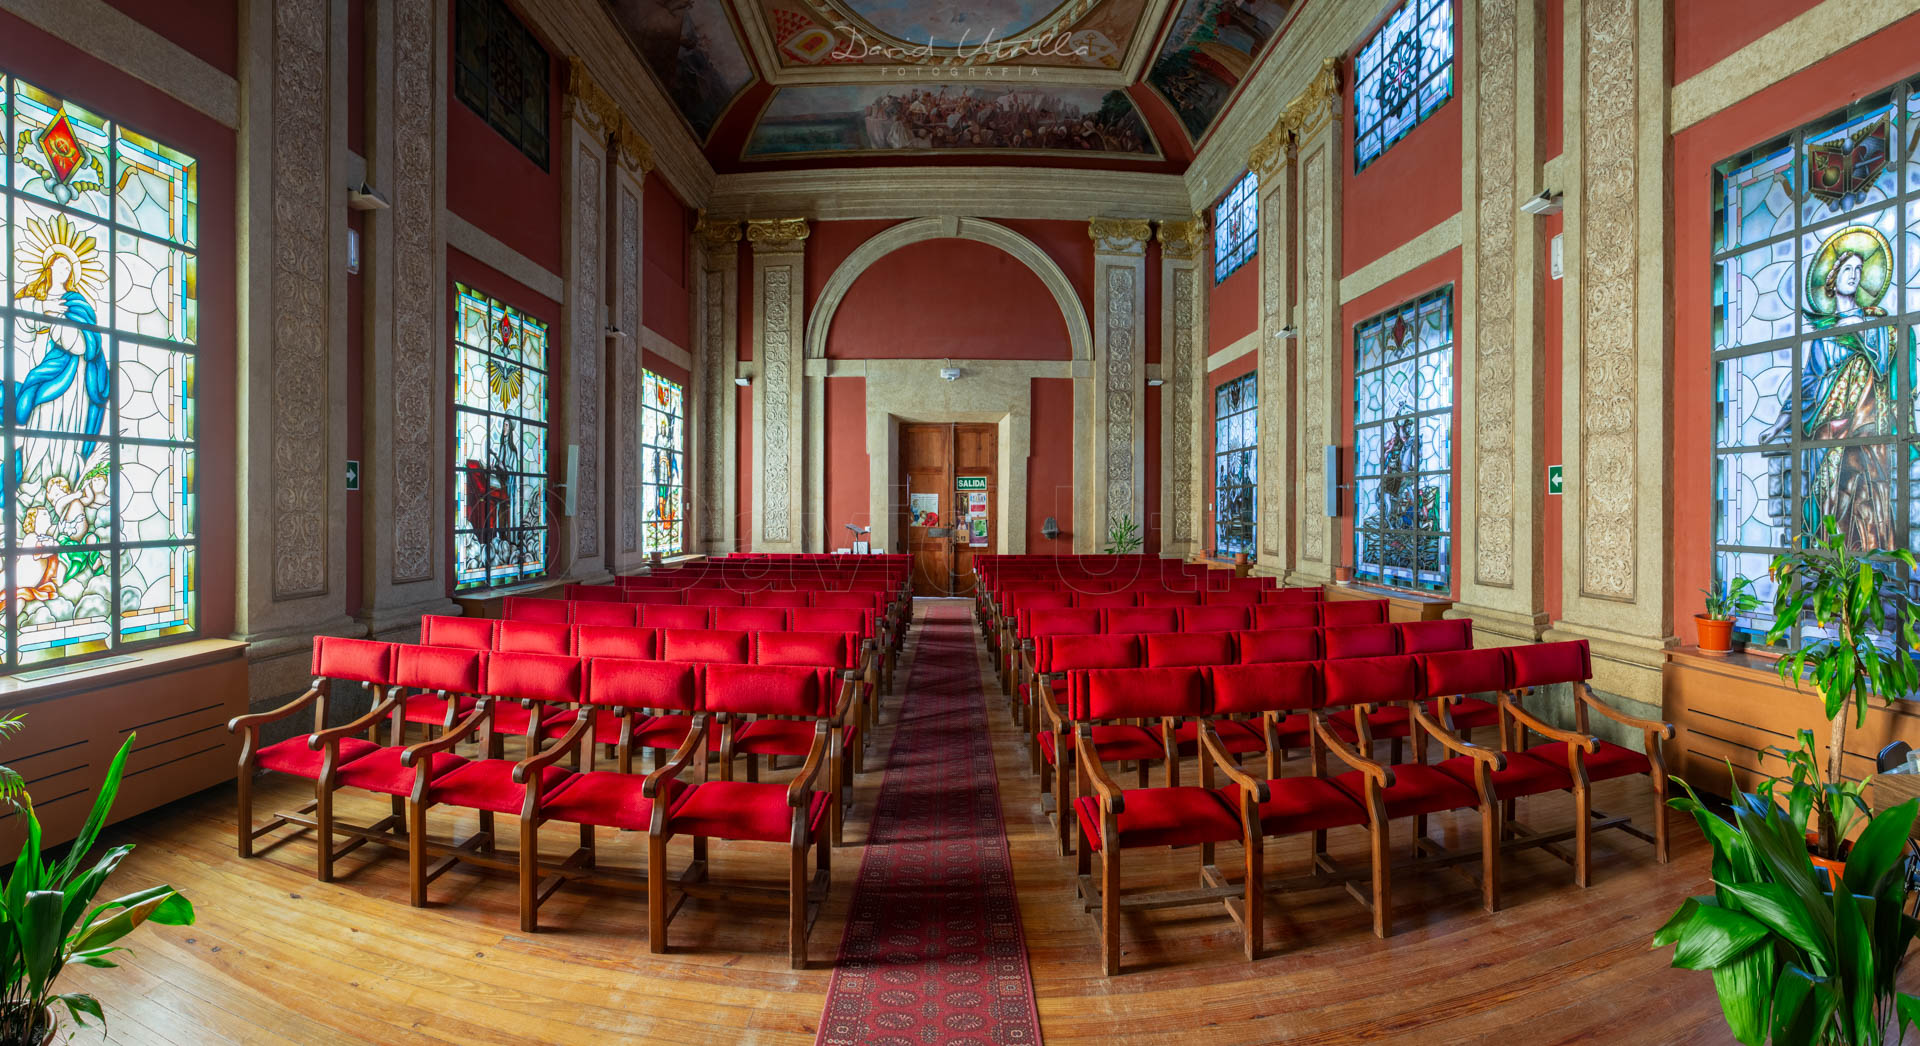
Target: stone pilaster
{"x": 714, "y": 457}
{"x": 1502, "y": 325}
{"x": 1183, "y": 366}
{"x": 1272, "y": 162}
{"x": 1314, "y": 118}
{"x": 1117, "y": 457}
{"x": 780, "y": 523}
{"x": 292, "y": 244}
{"x": 581, "y": 358}
{"x": 623, "y": 416}
{"x": 1617, "y": 343}
{"x": 404, "y": 382}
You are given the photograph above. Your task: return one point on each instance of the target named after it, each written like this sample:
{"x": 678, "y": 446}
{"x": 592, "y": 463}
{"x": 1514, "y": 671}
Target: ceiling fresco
{"x": 1132, "y": 84}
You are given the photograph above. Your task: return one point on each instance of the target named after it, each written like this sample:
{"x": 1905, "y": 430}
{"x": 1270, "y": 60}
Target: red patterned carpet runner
{"x": 933, "y": 951}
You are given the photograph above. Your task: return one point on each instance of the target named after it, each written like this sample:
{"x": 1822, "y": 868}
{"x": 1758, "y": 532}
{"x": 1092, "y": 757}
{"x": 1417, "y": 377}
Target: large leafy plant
{"x": 1727, "y": 600}
{"x": 52, "y": 920}
{"x": 1832, "y": 807}
{"x": 1795, "y": 963}
{"x": 1864, "y": 629}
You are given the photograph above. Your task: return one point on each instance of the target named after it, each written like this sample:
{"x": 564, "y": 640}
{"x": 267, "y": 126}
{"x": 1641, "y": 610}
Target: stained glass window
{"x": 663, "y": 459}
{"x": 1236, "y": 223}
{"x": 1816, "y": 293}
{"x": 1401, "y": 76}
{"x": 1236, "y": 464}
{"x": 501, "y": 72}
{"x": 101, "y": 322}
{"x": 1403, "y": 445}
{"x": 499, "y": 442}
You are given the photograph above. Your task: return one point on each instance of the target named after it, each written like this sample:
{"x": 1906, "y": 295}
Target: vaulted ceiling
{"x": 1118, "y": 84}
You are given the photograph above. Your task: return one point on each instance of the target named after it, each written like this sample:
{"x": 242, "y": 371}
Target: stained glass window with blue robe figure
{"x": 663, "y": 458}
{"x": 1236, "y": 465}
{"x": 1403, "y": 445}
{"x": 500, "y": 528}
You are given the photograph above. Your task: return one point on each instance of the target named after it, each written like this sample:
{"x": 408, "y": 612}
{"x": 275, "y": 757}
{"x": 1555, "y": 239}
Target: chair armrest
{"x": 1347, "y": 754}
{"x": 696, "y": 740}
{"x": 1049, "y": 707}
{"x": 1527, "y": 719}
{"x": 1493, "y": 757}
{"x": 256, "y": 719}
{"x": 445, "y": 741}
{"x": 1087, "y": 757}
{"x": 1584, "y": 692}
{"x": 524, "y": 770}
{"x": 1217, "y": 751}
{"x": 374, "y": 715}
{"x": 802, "y": 784}
{"x": 850, "y": 682}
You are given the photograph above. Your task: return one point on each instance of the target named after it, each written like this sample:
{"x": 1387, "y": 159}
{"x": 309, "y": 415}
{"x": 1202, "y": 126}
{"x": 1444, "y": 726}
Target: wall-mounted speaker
{"x": 1330, "y": 472}
{"x": 573, "y": 474}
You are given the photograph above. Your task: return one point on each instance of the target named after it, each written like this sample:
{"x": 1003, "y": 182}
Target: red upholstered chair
{"x": 1112, "y": 819}
{"x": 1432, "y": 637}
{"x": 716, "y": 597}
{"x": 711, "y": 646}
{"x": 657, "y": 597}
{"x": 1169, "y": 599}
{"x": 749, "y": 811}
{"x": 1032, "y": 624}
{"x": 850, "y": 619}
{"x": 1293, "y": 595}
{"x": 850, "y": 656}
{"x": 1233, "y": 597}
{"x": 1360, "y": 641}
{"x": 779, "y": 597}
{"x": 536, "y": 608}
{"x": 533, "y": 637}
{"x": 846, "y": 599}
{"x": 1265, "y": 645}
{"x": 1189, "y": 649}
{"x": 750, "y": 619}
{"x": 1216, "y": 617}
{"x": 1451, "y": 675}
{"x": 625, "y": 691}
{"x": 1086, "y": 600}
{"x": 675, "y": 617}
{"x": 1053, "y": 658}
{"x": 438, "y": 683}
{"x": 642, "y": 644}
{"x": 1270, "y": 616}
{"x": 600, "y": 612}
{"x": 348, "y": 661}
{"x": 472, "y": 633}
{"x": 609, "y": 593}
{"x": 1142, "y": 620}
{"x": 1353, "y": 612}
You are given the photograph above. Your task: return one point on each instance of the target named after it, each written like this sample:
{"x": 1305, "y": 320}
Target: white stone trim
{"x": 985, "y": 192}
{"x": 101, "y": 30}
{"x": 1815, "y": 35}
{"x": 1242, "y": 345}
{"x": 471, "y": 240}
{"x": 1403, "y": 259}
{"x": 655, "y": 342}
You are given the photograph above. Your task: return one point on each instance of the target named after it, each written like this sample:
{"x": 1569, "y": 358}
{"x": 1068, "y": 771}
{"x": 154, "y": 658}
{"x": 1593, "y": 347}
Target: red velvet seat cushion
{"x": 1416, "y": 789}
{"x": 1389, "y": 722}
{"x": 1470, "y": 712}
{"x": 1163, "y": 817}
{"x": 1525, "y": 775}
{"x": 1115, "y": 742}
{"x": 1238, "y": 735}
{"x": 380, "y": 771}
{"x": 510, "y": 717}
{"x": 1301, "y": 804}
{"x": 292, "y": 756}
{"x": 784, "y": 736}
{"x": 432, "y": 708}
{"x": 487, "y": 784}
{"x": 605, "y": 798}
{"x": 740, "y": 810}
{"x": 1293, "y": 729}
{"x": 1609, "y": 762}
{"x": 669, "y": 732}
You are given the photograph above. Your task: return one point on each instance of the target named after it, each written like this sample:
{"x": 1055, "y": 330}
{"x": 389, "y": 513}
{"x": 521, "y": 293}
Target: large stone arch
{"x": 1023, "y": 250}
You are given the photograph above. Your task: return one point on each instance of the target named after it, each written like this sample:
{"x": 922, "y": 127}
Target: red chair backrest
{"x": 778, "y": 597}
{"x": 655, "y": 597}
{"x": 1353, "y": 612}
{"x": 716, "y": 597}
{"x": 675, "y": 617}
{"x": 1141, "y": 620}
{"x": 1233, "y": 597}
{"x": 1162, "y": 598}
{"x": 1214, "y": 617}
{"x": 1064, "y": 622}
{"x": 1466, "y": 672}
{"x": 1267, "y": 645}
{"x": 831, "y": 619}
{"x": 813, "y": 649}
{"x": 457, "y": 670}
{"x": 609, "y": 593}
{"x": 750, "y": 619}
{"x": 1286, "y": 615}
{"x": 359, "y": 660}
{"x": 710, "y": 646}
{"x": 1127, "y": 693}
{"x": 1367, "y": 680}
{"x": 608, "y": 641}
{"x": 531, "y": 608}
{"x": 1280, "y": 686}
{"x": 769, "y": 690}
{"x": 1359, "y": 641}
{"x": 1292, "y": 595}
{"x": 1103, "y": 600}
{"x": 854, "y": 600}
{"x": 535, "y": 677}
{"x": 473, "y": 633}
{"x": 1064, "y": 653}
{"x": 1189, "y": 649}
{"x": 533, "y": 637}
{"x": 1039, "y": 599}
{"x": 1429, "y": 637}
{"x": 627, "y": 683}
{"x": 1538, "y": 664}
{"x": 596, "y": 612}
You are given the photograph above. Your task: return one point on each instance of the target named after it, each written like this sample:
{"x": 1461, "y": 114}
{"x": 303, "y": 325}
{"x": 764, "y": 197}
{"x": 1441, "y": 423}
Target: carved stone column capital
{"x": 777, "y": 235}
{"x": 1182, "y": 240}
{"x": 717, "y": 235}
{"x": 1120, "y": 235}
{"x": 1317, "y": 103}
{"x": 586, "y": 101}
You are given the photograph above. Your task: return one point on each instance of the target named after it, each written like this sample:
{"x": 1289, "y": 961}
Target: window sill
{"x": 15, "y": 692}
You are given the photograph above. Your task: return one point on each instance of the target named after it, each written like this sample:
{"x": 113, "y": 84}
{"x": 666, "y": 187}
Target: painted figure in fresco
{"x": 1846, "y": 388}
{"x": 67, "y": 388}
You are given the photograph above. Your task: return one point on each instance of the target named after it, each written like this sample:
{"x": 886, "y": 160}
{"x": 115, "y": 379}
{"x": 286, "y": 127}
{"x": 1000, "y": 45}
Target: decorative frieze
{"x": 418, "y": 413}
{"x": 1182, "y": 240}
{"x": 777, "y": 235}
{"x": 586, "y": 98}
{"x": 715, "y": 358}
{"x": 1120, "y": 235}
{"x": 627, "y": 455}
{"x": 1314, "y": 355}
{"x": 1493, "y": 341}
{"x": 778, "y": 260}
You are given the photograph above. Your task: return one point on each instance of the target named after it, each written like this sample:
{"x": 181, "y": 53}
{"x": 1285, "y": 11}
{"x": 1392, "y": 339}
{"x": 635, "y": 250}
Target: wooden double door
{"x": 948, "y": 477}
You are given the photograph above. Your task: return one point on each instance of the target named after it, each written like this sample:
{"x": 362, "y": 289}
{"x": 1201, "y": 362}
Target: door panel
{"x": 976, "y": 452}
{"x": 926, "y": 467}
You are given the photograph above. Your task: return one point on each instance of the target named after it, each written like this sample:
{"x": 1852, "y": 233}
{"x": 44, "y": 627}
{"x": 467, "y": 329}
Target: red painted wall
{"x": 1233, "y": 304}
{"x": 666, "y": 284}
{"x": 1434, "y": 274}
{"x": 950, "y": 298}
{"x": 1050, "y": 479}
{"x": 1412, "y": 187}
{"x": 1152, "y": 527}
{"x": 848, "y": 476}
{"x": 207, "y": 29}
{"x": 1705, "y": 31}
{"x": 743, "y": 482}
{"x": 492, "y": 184}
{"x": 1269, "y": 487}
{"x": 1876, "y": 62}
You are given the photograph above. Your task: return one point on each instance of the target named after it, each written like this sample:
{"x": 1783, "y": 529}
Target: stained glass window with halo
{"x": 1403, "y": 445}
{"x": 1816, "y": 239}
{"x": 663, "y": 460}
{"x": 101, "y": 314}
{"x": 500, "y": 506}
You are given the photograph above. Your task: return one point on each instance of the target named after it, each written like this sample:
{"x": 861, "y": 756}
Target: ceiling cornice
{"x": 981, "y": 192}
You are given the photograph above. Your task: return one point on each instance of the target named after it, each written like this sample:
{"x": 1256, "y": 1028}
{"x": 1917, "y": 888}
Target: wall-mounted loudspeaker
{"x": 1330, "y": 472}
{"x": 1050, "y": 528}
{"x": 573, "y": 474}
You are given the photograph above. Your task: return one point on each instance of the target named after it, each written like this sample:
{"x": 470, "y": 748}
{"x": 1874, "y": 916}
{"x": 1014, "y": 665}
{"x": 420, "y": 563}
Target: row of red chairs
{"x": 732, "y": 708}
{"x": 878, "y": 599}
{"x": 1200, "y": 709}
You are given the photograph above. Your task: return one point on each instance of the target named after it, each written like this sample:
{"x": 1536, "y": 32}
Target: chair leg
{"x": 837, "y": 796}
{"x": 1582, "y": 834}
{"x": 416, "y": 854}
{"x": 243, "y": 842}
{"x": 1063, "y": 814}
{"x": 1110, "y": 909}
{"x": 1256, "y": 897}
{"x": 529, "y": 875}
{"x": 797, "y": 904}
{"x": 1491, "y": 829}
{"x": 656, "y": 894}
{"x": 1660, "y": 819}
{"x": 1382, "y": 881}
{"x": 322, "y": 834}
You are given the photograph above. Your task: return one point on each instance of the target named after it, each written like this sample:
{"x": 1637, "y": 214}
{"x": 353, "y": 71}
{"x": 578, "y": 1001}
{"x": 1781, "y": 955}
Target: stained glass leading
{"x": 1236, "y": 222}
{"x": 1403, "y": 445}
{"x": 99, "y": 226}
{"x": 1401, "y": 76}
{"x": 500, "y": 530}
{"x": 1236, "y": 465}
{"x": 663, "y": 458}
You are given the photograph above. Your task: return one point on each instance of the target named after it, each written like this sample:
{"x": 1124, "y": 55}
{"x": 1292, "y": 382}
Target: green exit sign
{"x": 1553, "y": 479}
{"x": 970, "y": 483}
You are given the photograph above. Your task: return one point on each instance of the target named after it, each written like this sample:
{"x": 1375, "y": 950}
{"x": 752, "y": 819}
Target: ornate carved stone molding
{"x": 1182, "y": 240}
{"x": 776, "y": 370}
{"x": 1182, "y": 527}
{"x": 585, "y": 98}
{"x": 1274, "y": 500}
{"x": 626, "y": 450}
{"x": 1317, "y": 103}
{"x": 1120, "y": 363}
{"x": 418, "y": 413}
{"x": 1494, "y": 338}
{"x": 777, "y": 235}
{"x": 1120, "y": 235}
{"x": 1315, "y": 353}
{"x": 586, "y": 340}
{"x": 716, "y": 233}
{"x": 715, "y": 355}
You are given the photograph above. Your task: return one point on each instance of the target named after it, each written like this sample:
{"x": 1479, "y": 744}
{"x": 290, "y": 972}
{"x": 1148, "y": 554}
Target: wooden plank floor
{"x": 279, "y": 958}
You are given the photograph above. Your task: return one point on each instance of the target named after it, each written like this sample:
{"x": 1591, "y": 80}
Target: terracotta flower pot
{"x": 1716, "y": 635}
{"x": 1342, "y": 575}
{"x": 1836, "y": 868}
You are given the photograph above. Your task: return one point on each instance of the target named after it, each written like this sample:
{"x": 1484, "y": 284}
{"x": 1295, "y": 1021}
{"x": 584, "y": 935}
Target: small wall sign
{"x": 970, "y": 483}
{"x": 353, "y": 475}
{"x": 1553, "y": 479}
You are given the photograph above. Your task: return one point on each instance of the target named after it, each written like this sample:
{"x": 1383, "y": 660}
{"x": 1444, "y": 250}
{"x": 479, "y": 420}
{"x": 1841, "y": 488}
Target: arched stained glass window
{"x": 1236, "y": 464}
{"x": 1403, "y": 445}
{"x": 663, "y": 460}
{"x": 1236, "y": 226}
{"x": 101, "y": 323}
{"x": 499, "y": 442}
{"x": 1816, "y": 294}
{"x": 1401, "y": 76}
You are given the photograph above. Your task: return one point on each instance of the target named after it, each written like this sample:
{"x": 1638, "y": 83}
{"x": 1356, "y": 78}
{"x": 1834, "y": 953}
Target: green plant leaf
{"x": 1777, "y": 907}
{"x": 80, "y": 1006}
{"x": 36, "y": 926}
{"x": 1715, "y": 936}
{"x": 133, "y": 909}
{"x": 97, "y": 819}
{"x": 1877, "y": 852}
{"x": 1744, "y": 982}
{"x": 1794, "y": 1015}
{"x": 1908, "y": 1008}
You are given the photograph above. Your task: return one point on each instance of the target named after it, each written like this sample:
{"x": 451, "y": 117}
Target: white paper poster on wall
{"x": 925, "y": 509}
{"x": 977, "y": 518}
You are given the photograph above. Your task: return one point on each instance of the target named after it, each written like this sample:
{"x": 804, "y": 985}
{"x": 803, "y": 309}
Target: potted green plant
{"x": 1794, "y": 962}
{"x": 52, "y": 918}
{"x": 1832, "y": 807}
{"x": 1862, "y": 634}
{"x": 1725, "y": 601}
{"x": 1123, "y": 536}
